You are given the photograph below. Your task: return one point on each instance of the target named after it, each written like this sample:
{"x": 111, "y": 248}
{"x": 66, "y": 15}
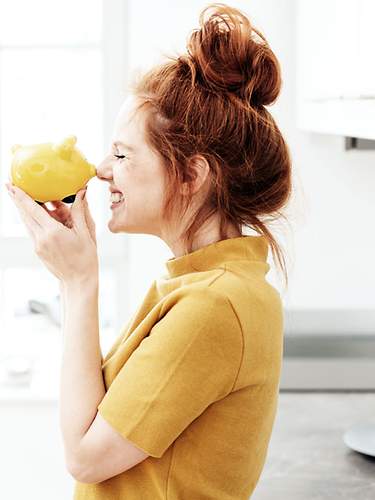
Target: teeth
{"x": 116, "y": 197}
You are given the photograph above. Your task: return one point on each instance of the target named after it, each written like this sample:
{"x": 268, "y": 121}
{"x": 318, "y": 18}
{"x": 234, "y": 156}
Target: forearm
{"x": 81, "y": 381}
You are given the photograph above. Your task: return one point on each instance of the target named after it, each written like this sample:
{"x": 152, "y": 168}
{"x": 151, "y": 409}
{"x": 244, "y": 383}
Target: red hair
{"x": 210, "y": 102}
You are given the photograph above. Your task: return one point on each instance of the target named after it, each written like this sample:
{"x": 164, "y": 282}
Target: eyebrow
{"x": 117, "y": 143}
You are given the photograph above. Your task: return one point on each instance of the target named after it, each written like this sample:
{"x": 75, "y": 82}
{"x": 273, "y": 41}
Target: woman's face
{"x": 137, "y": 174}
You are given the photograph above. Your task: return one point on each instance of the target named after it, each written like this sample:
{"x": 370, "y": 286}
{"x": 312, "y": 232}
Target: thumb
{"x": 89, "y": 220}
{"x": 78, "y": 213}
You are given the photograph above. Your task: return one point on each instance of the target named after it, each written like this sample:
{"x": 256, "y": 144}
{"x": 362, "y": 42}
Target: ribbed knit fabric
{"x": 193, "y": 378}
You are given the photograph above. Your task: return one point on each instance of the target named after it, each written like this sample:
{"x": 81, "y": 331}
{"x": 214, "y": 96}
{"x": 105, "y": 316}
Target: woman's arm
{"x": 81, "y": 383}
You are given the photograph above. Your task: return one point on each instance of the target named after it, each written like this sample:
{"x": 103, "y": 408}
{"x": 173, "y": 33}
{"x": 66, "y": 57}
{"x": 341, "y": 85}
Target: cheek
{"x": 145, "y": 190}
{"x": 148, "y": 187}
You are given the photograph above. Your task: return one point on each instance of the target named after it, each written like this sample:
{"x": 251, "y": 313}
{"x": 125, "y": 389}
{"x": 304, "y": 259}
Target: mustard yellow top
{"x": 193, "y": 378}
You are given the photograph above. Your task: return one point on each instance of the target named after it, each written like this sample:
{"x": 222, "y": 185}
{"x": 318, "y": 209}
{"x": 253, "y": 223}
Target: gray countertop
{"x": 307, "y": 457}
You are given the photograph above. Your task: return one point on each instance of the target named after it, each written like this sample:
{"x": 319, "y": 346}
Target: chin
{"x": 114, "y": 228}
{"x": 118, "y": 228}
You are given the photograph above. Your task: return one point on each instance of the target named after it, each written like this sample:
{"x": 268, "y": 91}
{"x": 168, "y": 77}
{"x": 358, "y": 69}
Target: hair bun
{"x": 229, "y": 54}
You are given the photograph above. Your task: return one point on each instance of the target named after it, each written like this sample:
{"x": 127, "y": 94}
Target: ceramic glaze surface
{"x": 50, "y": 171}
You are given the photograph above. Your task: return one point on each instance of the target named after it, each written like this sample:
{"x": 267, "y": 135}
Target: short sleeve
{"x": 190, "y": 359}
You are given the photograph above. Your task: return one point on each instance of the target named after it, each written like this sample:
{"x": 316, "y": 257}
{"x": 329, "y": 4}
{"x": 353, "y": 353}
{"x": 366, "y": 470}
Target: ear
{"x": 65, "y": 148}
{"x": 198, "y": 173}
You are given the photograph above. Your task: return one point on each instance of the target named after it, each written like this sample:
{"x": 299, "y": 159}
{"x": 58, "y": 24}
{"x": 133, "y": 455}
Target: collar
{"x": 212, "y": 256}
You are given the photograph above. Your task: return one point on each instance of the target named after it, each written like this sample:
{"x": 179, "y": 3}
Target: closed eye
{"x": 120, "y": 157}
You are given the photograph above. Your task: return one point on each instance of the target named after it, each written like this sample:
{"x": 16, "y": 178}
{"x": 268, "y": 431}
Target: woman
{"x": 183, "y": 404}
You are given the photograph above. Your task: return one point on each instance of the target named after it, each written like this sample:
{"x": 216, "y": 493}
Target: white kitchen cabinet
{"x": 32, "y": 455}
{"x": 32, "y": 461}
{"x": 335, "y": 69}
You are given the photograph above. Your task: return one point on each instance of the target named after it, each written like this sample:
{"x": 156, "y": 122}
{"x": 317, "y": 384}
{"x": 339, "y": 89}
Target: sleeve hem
{"x": 153, "y": 452}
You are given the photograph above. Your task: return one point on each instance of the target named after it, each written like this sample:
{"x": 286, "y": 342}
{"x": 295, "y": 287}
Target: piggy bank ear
{"x": 69, "y": 141}
{"x": 65, "y": 148}
{"x": 15, "y": 148}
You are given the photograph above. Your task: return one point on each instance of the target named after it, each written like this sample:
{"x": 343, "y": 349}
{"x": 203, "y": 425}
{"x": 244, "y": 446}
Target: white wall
{"x": 331, "y": 238}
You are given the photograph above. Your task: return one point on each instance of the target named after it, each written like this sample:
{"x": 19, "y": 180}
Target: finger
{"x": 61, "y": 210}
{"x": 88, "y": 215}
{"x": 60, "y": 216}
{"x": 32, "y": 210}
{"x": 89, "y": 220}
{"x": 58, "y": 203}
{"x": 56, "y": 213}
{"x": 32, "y": 226}
{"x": 78, "y": 212}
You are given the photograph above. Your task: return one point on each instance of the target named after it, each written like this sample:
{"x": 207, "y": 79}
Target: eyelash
{"x": 120, "y": 157}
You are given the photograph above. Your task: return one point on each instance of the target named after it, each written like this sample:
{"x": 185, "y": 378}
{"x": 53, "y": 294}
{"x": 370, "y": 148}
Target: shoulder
{"x": 201, "y": 317}
{"x": 206, "y": 301}
{"x": 242, "y": 287}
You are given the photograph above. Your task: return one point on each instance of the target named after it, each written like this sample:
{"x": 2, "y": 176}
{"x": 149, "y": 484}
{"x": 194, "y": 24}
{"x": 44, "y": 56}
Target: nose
{"x": 104, "y": 170}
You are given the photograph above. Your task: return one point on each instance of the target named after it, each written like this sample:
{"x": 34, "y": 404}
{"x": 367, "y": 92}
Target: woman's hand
{"x": 63, "y": 214}
{"x": 65, "y": 240}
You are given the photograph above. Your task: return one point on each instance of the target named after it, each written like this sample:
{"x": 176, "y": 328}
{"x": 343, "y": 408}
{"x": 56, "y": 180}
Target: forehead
{"x": 127, "y": 115}
{"x": 128, "y": 124}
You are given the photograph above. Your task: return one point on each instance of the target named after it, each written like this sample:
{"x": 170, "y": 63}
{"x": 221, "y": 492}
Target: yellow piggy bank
{"x": 48, "y": 171}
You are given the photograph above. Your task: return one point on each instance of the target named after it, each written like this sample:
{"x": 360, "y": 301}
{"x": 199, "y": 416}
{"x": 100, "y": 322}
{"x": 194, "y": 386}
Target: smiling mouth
{"x": 117, "y": 203}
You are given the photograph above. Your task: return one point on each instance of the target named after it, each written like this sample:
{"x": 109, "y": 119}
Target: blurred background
{"x": 64, "y": 68}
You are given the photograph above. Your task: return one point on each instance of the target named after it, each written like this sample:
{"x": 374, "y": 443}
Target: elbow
{"x": 81, "y": 474}
{"x": 76, "y": 471}
{"x": 76, "y": 467}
